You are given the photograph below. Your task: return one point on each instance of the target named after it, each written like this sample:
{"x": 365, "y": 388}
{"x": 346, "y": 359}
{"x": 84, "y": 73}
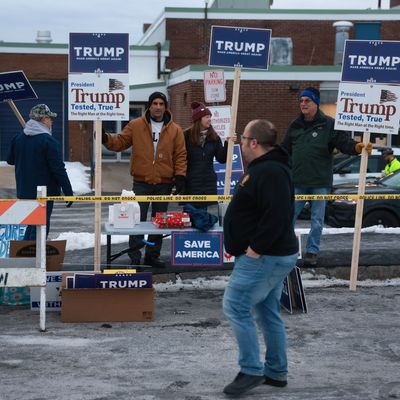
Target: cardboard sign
{"x": 239, "y": 47}
{"x": 8, "y": 233}
{"x": 55, "y": 251}
{"x": 371, "y": 61}
{"x": 214, "y": 86}
{"x": 293, "y": 296}
{"x": 15, "y": 86}
{"x": 53, "y": 298}
{"x": 196, "y": 249}
{"x": 368, "y": 107}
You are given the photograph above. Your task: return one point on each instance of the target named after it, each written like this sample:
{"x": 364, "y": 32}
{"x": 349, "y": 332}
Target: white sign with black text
{"x": 214, "y": 86}
{"x": 221, "y": 120}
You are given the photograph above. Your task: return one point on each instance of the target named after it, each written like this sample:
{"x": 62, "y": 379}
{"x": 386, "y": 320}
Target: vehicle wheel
{"x": 380, "y": 217}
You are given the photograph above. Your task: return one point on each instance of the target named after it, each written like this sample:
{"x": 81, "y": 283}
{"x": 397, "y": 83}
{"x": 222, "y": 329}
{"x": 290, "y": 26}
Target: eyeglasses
{"x": 305, "y": 101}
{"x": 246, "y": 137}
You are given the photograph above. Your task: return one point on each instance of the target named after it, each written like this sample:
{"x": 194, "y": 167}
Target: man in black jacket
{"x": 258, "y": 231}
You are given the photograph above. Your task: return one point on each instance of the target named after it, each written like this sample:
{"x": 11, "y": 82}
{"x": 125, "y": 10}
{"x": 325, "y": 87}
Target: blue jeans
{"x": 256, "y": 285}
{"x": 317, "y": 216}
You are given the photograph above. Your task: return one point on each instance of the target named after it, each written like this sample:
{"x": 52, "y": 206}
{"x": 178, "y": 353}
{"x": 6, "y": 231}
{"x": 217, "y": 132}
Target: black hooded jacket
{"x": 260, "y": 214}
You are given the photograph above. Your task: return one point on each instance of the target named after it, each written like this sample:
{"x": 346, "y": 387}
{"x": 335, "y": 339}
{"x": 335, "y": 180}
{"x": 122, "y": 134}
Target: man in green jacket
{"x": 311, "y": 139}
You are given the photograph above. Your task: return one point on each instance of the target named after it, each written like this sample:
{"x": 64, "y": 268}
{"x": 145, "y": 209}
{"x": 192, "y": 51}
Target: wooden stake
{"x": 16, "y": 112}
{"x": 232, "y": 130}
{"x": 359, "y": 214}
{"x": 97, "y": 209}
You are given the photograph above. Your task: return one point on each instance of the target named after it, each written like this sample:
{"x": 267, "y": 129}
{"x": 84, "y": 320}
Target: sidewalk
{"x": 345, "y": 348}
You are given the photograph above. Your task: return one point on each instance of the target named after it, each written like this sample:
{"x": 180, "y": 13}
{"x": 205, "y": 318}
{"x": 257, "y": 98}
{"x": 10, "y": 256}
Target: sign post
{"x": 368, "y": 105}
{"x": 98, "y": 89}
{"x": 237, "y": 47}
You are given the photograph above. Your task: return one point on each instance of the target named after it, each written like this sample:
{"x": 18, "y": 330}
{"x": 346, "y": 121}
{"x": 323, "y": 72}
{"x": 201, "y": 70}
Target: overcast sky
{"x": 21, "y": 19}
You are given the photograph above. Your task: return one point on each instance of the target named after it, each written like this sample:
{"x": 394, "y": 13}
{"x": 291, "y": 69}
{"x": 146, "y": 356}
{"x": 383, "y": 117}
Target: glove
{"x": 68, "y": 204}
{"x": 180, "y": 182}
{"x": 360, "y": 146}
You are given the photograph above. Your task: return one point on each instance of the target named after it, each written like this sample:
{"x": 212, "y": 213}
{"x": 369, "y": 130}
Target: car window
{"x": 353, "y": 165}
{"x": 392, "y": 180}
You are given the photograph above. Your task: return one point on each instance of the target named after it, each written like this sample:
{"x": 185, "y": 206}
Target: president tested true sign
{"x": 239, "y": 47}
{"x": 367, "y": 107}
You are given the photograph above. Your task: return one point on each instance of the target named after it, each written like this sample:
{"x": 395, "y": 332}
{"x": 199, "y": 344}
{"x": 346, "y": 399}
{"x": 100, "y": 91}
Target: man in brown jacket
{"x": 158, "y": 162}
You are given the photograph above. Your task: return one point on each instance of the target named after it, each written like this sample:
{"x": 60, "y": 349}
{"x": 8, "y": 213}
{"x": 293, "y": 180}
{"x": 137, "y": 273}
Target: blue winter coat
{"x": 37, "y": 159}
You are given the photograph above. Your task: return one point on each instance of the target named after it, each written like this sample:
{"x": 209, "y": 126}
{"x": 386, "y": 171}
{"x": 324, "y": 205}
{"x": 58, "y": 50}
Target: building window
{"x": 367, "y": 30}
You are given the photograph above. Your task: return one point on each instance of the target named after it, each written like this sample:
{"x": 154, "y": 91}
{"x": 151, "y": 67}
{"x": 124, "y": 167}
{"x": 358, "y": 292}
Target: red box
{"x": 172, "y": 219}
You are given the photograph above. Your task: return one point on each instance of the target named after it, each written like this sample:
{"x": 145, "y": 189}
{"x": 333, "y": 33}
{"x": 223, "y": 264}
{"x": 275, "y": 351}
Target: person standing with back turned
{"x": 38, "y": 162}
{"x": 258, "y": 231}
{"x": 158, "y": 162}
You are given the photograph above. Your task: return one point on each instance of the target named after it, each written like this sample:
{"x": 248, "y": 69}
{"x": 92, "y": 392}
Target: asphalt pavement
{"x": 346, "y": 348}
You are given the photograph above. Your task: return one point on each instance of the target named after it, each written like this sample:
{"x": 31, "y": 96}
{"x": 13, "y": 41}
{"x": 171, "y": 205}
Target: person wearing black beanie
{"x": 157, "y": 164}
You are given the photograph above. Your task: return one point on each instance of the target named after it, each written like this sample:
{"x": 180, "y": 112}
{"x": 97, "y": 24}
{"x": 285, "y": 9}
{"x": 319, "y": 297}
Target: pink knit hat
{"x": 199, "y": 110}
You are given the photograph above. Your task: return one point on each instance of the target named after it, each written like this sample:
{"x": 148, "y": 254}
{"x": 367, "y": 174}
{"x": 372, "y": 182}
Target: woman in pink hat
{"x": 202, "y": 145}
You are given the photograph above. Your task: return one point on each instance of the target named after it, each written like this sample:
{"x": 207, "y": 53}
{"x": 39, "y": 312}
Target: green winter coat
{"x": 311, "y": 145}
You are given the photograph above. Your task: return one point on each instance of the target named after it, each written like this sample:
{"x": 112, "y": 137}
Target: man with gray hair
{"x": 258, "y": 231}
{"x": 38, "y": 162}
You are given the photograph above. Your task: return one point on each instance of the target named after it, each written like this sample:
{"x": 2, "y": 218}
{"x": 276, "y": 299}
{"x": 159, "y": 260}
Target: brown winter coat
{"x": 170, "y": 158}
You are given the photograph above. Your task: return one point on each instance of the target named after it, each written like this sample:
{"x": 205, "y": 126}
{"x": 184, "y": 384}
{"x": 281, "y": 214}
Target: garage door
{"x": 50, "y": 93}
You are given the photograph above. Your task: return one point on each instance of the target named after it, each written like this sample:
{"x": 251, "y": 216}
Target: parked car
{"x": 347, "y": 169}
{"x": 341, "y": 213}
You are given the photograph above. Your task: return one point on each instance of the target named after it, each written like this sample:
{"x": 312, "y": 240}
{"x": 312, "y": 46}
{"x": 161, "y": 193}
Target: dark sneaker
{"x": 243, "y": 383}
{"x": 310, "y": 259}
{"x": 155, "y": 262}
{"x": 274, "y": 382}
{"x": 135, "y": 261}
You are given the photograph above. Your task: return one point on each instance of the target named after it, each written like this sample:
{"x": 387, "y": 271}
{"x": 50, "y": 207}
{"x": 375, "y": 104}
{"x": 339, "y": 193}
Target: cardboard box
{"x": 55, "y": 251}
{"x": 107, "y": 305}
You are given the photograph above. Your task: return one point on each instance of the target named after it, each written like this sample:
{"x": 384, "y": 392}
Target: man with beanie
{"x": 311, "y": 139}
{"x": 158, "y": 162}
{"x": 38, "y": 162}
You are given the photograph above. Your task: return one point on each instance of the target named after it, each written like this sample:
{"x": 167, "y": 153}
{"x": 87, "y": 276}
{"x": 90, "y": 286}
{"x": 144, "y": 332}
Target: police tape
{"x": 213, "y": 198}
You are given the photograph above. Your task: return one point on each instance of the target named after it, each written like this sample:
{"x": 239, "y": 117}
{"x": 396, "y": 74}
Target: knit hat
{"x": 41, "y": 111}
{"x": 312, "y": 93}
{"x": 157, "y": 95}
{"x": 199, "y": 110}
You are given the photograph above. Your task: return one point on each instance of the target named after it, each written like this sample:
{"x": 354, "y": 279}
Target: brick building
{"x": 173, "y": 54}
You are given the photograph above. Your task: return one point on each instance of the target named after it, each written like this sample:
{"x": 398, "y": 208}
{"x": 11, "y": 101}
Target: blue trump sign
{"x": 371, "y": 61}
{"x": 15, "y": 86}
{"x": 197, "y": 248}
{"x": 98, "y": 52}
{"x": 239, "y": 47}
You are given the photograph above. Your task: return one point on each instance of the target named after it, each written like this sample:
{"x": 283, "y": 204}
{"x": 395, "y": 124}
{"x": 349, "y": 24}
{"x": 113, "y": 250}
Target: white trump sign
{"x": 368, "y": 107}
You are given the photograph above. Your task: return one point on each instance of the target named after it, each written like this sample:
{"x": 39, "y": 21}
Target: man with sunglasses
{"x": 38, "y": 162}
{"x": 311, "y": 139}
{"x": 259, "y": 232}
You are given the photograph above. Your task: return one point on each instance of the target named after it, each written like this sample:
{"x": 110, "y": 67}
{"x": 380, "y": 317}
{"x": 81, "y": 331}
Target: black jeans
{"x": 136, "y": 241}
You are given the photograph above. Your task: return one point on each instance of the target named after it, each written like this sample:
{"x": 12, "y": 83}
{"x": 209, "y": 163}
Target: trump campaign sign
{"x": 371, "y": 61}
{"x": 367, "y": 107}
{"x": 98, "y": 76}
{"x": 197, "y": 248}
{"x": 15, "y": 86}
{"x": 239, "y": 47}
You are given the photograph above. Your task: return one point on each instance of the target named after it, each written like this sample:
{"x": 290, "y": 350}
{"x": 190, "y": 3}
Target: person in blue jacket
{"x": 37, "y": 160}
